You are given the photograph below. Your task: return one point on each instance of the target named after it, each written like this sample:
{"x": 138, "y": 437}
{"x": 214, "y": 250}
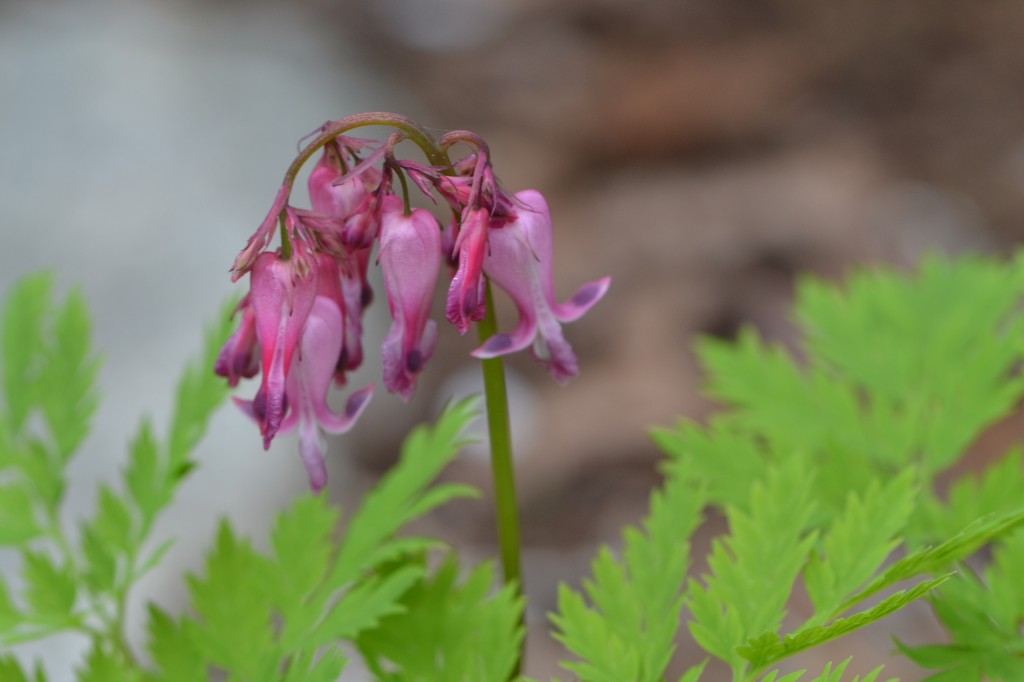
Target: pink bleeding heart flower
{"x": 466, "y": 300}
{"x": 410, "y": 259}
{"x": 328, "y": 193}
{"x": 307, "y": 386}
{"x": 519, "y": 261}
{"x": 281, "y": 301}
{"x": 349, "y": 201}
{"x": 239, "y": 357}
{"x": 329, "y": 285}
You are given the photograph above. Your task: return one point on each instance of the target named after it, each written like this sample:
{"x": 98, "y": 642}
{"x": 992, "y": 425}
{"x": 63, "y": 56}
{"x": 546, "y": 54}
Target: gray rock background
{"x": 702, "y": 152}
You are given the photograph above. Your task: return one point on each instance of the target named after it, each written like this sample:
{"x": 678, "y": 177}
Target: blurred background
{"x": 702, "y": 152}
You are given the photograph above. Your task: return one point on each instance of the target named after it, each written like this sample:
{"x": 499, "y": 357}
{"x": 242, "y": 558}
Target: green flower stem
{"x": 502, "y": 471}
{"x": 412, "y": 130}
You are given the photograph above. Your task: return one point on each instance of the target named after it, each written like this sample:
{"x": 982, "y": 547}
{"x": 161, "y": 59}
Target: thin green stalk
{"x": 412, "y": 130}
{"x": 505, "y": 507}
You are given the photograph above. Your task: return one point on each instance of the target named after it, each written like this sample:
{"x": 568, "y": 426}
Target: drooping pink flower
{"x": 519, "y": 261}
{"x": 239, "y": 357}
{"x": 307, "y": 386}
{"x": 410, "y": 259}
{"x": 466, "y": 300}
{"x": 349, "y": 201}
{"x": 357, "y": 294}
{"x": 328, "y": 193}
{"x": 281, "y": 300}
{"x": 329, "y": 285}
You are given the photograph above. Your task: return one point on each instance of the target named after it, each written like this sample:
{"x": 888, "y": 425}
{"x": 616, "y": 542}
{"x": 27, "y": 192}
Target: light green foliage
{"x": 944, "y": 555}
{"x": 753, "y": 569}
{"x": 49, "y": 398}
{"x": 829, "y": 674}
{"x": 996, "y": 491}
{"x": 49, "y": 372}
{"x": 737, "y": 609}
{"x": 721, "y": 458}
{"x": 768, "y": 648}
{"x": 627, "y": 630}
{"x": 823, "y": 467}
{"x": 447, "y": 631}
{"x": 857, "y": 543}
{"x": 284, "y": 615}
{"x": 403, "y": 495}
{"x": 919, "y": 328}
{"x": 11, "y": 671}
{"x": 983, "y": 615}
{"x": 899, "y": 371}
{"x": 898, "y": 374}
{"x": 102, "y": 665}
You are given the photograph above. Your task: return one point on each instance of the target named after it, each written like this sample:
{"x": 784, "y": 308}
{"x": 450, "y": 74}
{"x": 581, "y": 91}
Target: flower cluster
{"x": 301, "y": 322}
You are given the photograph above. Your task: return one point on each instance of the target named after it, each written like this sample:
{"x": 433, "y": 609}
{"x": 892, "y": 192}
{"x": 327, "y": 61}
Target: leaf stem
{"x": 499, "y": 432}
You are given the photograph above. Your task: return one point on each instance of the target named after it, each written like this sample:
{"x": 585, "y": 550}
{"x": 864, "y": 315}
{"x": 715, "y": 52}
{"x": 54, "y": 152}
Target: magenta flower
{"x": 410, "y": 259}
{"x": 301, "y": 323}
{"x": 281, "y": 301}
{"x": 466, "y": 301}
{"x": 329, "y": 285}
{"x": 519, "y": 261}
{"x": 348, "y": 202}
{"x": 331, "y": 195}
{"x": 240, "y": 355}
{"x": 307, "y": 386}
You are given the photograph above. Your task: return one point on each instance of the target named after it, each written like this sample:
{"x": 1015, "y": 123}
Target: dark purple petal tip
{"x": 587, "y": 294}
{"x": 414, "y": 361}
{"x": 499, "y": 343}
{"x": 357, "y": 402}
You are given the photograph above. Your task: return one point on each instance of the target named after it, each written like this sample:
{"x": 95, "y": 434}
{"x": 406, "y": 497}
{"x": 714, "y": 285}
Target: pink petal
{"x": 466, "y": 296}
{"x": 281, "y": 302}
{"x": 410, "y": 258}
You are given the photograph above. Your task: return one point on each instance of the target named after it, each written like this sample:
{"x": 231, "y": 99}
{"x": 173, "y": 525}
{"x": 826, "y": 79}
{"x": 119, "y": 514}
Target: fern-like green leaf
{"x": 829, "y": 674}
{"x": 448, "y": 632}
{"x": 627, "y": 632}
{"x": 921, "y": 326}
{"x": 26, "y": 310}
{"x": 18, "y": 520}
{"x": 199, "y": 393}
{"x": 941, "y": 557}
{"x": 769, "y": 648}
{"x": 11, "y": 671}
{"x": 722, "y": 459}
{"x": 234, "y": 607}
{"x": 996, "y": 491}
{"x": 404, "y": 494}
{"x": 754, "y": 568}
{"x": 983, "y": 619}
{"x": 284, "y": 616}
{"x": 301, "y": 542}
{"x": 50, "y": 589}
{"x": 103, "y": 665}
{"x": 362, "y": 607}
{"x": 174, "y": 648}
{"x": 67, "y": 376}
{"x": 145, "y": 477}
{"x": 857, "y": 543}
